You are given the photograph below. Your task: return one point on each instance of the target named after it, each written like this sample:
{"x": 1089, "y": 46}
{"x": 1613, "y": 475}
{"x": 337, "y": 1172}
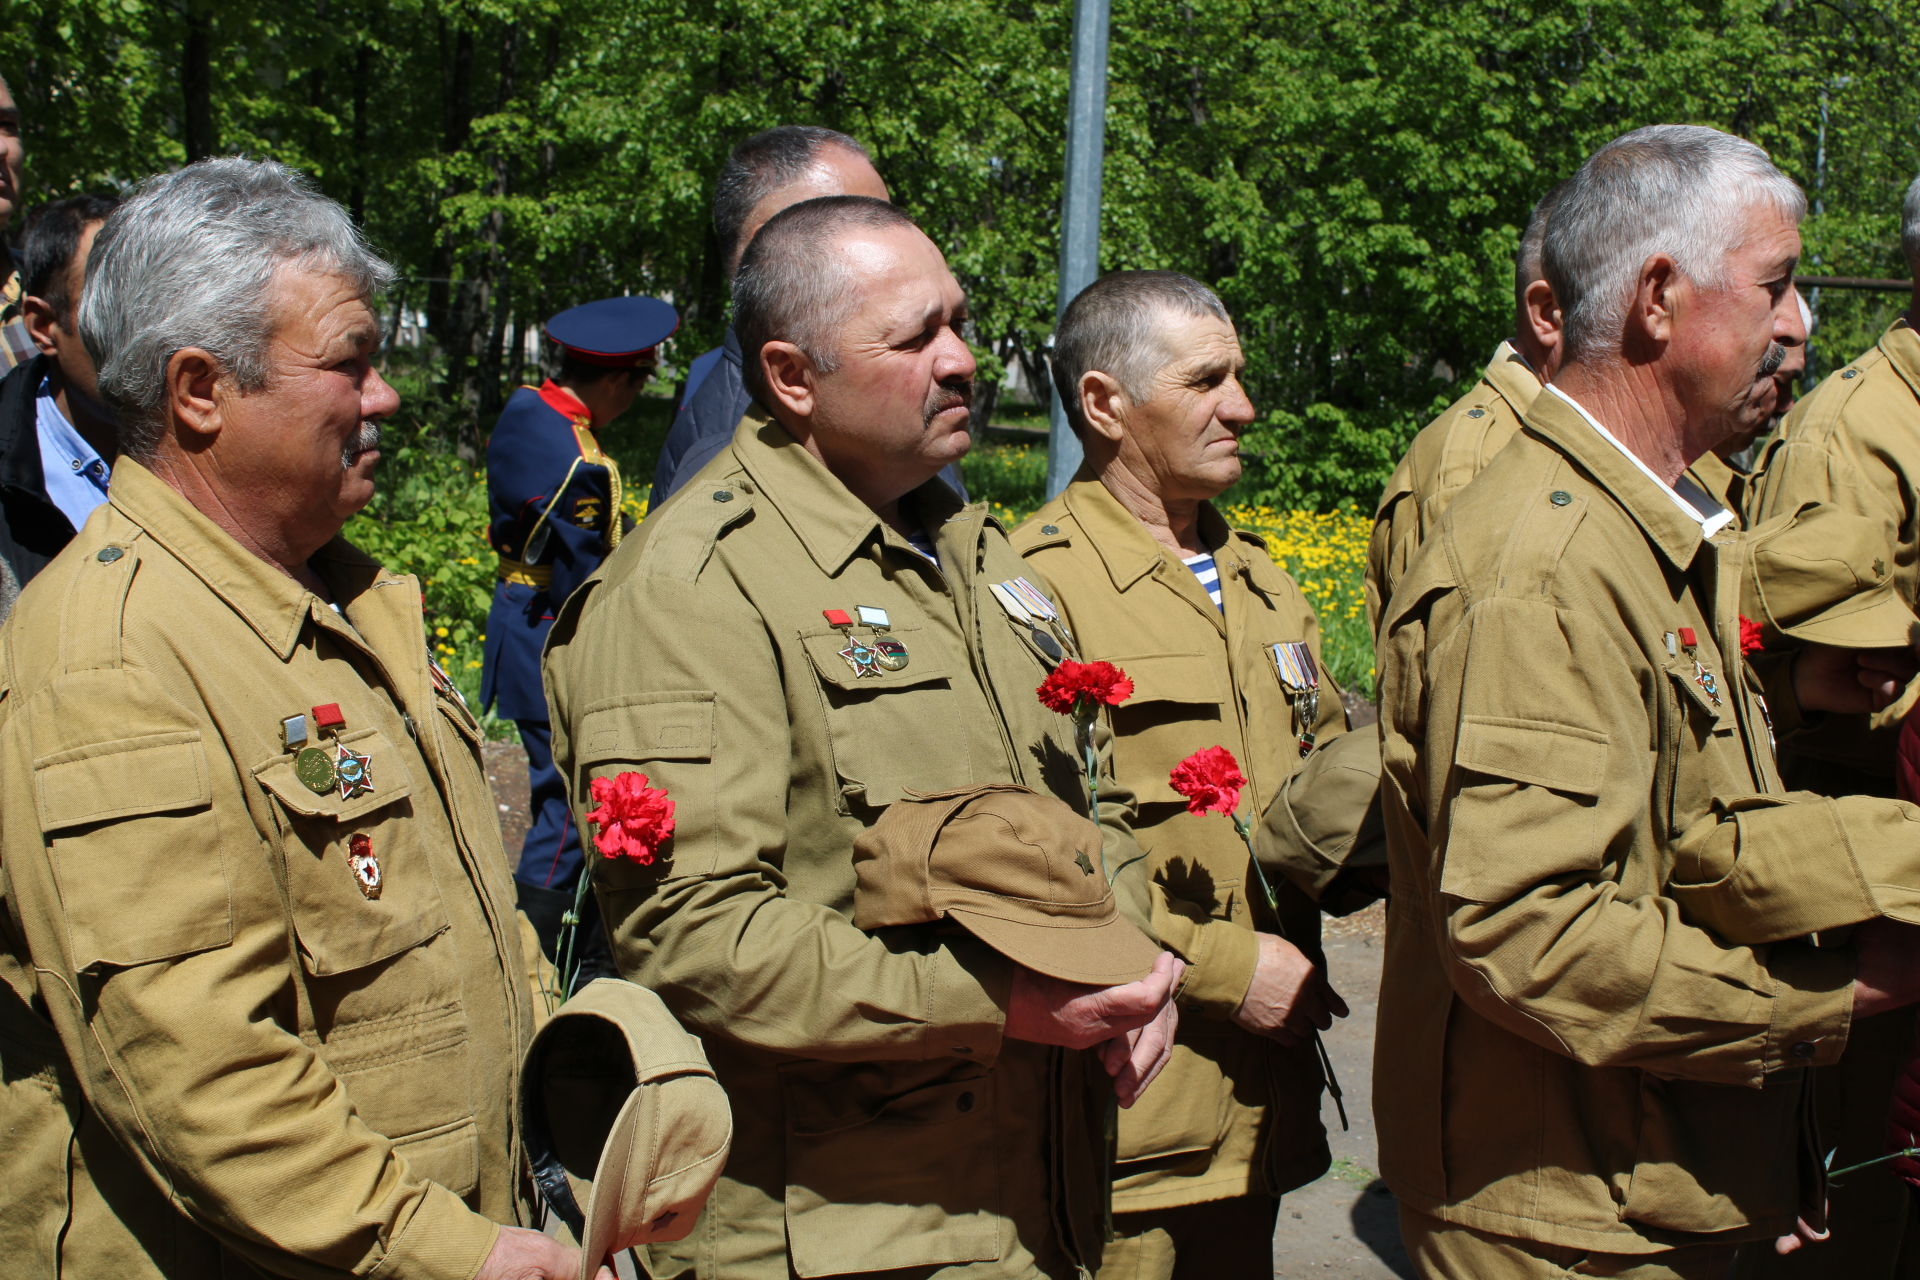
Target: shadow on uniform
{"x": 1376, "y": 1224}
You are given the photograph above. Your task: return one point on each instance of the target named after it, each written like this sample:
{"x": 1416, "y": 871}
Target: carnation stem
{"x": 1084, "y": 721}
{"x": 570, "y": 933}
{"x": 1273, "y": 905}
{"x": 1903, "y": 1153}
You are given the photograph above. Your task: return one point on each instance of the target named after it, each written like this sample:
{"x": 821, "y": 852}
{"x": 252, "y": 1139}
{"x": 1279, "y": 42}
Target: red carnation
{"x": 634, "y": 818}
{"x": 1210, "y": 779}
{"x": 1070, "y": 682}
{"x": 1751, "y": 640}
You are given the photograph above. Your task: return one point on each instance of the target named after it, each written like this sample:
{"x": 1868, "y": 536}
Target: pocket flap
{"x": 1174, "y": 677}
{"x": 386, "y": 769}
{"x": 1560, "y": 757}
{"x": 672, "y": 725}
{"x": 1687, "y": 680}
{"x": 839, "y": 670}
{"x": 102, "y": 781}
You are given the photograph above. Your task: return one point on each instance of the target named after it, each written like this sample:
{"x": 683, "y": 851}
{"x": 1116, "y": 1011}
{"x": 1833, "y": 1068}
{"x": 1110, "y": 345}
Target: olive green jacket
{"x": 882, "y": 1121}
{"x": 221, "y": 1056}
{"x": 1854, "y": 441}
{"x": 1567, "y": 1053}
{"x": 1447, "y": 453}
{"x": 1233, "y": 1113}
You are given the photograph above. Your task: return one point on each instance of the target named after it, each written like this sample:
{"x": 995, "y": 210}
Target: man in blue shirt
{"x": 762, "y": 176}
{"x": 57, "y": 440}
{"x": 554, "y": 499}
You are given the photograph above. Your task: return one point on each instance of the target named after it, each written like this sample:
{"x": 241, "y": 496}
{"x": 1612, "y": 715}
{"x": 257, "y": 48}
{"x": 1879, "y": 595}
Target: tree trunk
{"x": 196, "y": 85}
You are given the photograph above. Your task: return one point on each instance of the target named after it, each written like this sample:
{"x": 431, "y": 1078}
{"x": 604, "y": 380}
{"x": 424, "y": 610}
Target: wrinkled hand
{"x": 1134, "y": 1059}
{"x": 1073, "y": 1015}
{"x": 1288, "y": 998}
{"x": 1887, "y": 973}
{"x": 519, "y": 1254}
{"x": 1850, "y": 681}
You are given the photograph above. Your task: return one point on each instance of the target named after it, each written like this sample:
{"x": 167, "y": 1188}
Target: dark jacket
{"x": 704, "y": 426}
{"x": 32, "y": 528}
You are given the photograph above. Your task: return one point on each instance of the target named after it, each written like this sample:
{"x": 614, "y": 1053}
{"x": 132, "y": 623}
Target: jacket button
{"x": 1559, "y": 497}
{"x": 964, "y": 1102}
{"x": 1476, "y": 413}
{"x": 107, "y": 555}
{"x": 1050, "y": 529}
{"x": 723, "y": 495}
{"x": 1803, "y": 1050}
{"x": 1851, "y": 373}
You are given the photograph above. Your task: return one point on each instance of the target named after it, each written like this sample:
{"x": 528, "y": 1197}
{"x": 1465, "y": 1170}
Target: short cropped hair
{"x": 793, "y": 284}
{"x": 1527, "y": 265}
{"x": 1910, "y": 227}
{"x": 48, "y": 242}
{"x": 189, "y": 261}
{"x": 1117, "y": 325}
{"x": 761, "y": 165}
{"x": 1681, "y": 190}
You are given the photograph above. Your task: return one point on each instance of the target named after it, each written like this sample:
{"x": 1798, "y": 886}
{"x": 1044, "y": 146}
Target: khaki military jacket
{"x": 1854, "y": 441}
{"x": 223, "y": 1058}
{"x": 1446, "y": 454}
{"x": 881, "y": 1120}
{"x": 1233, "y": 1113}
{"x": 1563, "y": 1055}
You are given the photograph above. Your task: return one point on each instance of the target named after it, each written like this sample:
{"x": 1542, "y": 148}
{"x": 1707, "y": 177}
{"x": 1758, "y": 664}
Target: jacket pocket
{"x": 1712, "y": 1158}
{"x": 889, "y": 1168}
{"x": 1178, "y": 707}
{"x": 641, "y": 732}
{"x": 343, "y": 922}
{"x": 448, "y": 1155}
{"x": 869, "y": 716}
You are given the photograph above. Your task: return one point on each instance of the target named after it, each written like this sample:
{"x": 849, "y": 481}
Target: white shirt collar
{"x": 1689, "y": 497}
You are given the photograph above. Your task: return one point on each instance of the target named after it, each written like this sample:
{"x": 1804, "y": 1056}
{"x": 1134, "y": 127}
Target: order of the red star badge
{"x": 863, "y": 658}
{"x": 355, "y": 772}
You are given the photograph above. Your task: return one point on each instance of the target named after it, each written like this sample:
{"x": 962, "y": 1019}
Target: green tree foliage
{"x": 1352, "y": 177}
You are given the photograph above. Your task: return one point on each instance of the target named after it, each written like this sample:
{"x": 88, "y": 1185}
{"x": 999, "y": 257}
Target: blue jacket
{"x": 550, "y": 498}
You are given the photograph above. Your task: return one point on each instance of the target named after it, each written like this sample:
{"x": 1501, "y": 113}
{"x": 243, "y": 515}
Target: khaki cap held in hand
{"x": 618, "y": 1105}
{"x": 1824, "y": 576}
{"x": 1019, "y": 870}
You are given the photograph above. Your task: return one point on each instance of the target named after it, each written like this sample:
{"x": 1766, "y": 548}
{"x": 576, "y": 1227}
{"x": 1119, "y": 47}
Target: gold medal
{"x": 314, "y": 767}
{"x": 893, "y": 653}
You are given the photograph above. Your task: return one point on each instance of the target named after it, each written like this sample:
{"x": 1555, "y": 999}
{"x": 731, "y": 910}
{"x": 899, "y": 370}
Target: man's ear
{"x": 1657, "y": 290}
{"x": 1102, "y": 405}
{"x": 193, "y": 393}
{"x": 789, "y": 373}
{"x": 41, "y": 324}
{"x": 1543, "y": 314}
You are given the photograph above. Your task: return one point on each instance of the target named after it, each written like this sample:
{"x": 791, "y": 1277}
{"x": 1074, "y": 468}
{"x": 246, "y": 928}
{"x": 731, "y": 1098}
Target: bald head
{"x": 784, "y": 166}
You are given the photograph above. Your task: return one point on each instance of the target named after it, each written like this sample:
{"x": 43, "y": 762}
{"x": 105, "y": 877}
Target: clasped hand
{"x": 1131, "y": 1025}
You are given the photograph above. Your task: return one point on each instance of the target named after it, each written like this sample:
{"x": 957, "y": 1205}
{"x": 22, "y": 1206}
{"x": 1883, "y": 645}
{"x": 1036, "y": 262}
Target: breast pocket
{"x": 1178, "y": 707}
{"x": 890, "y": 731}
{"x": 359, "y": 884}
{"x": 1710, "y": 760}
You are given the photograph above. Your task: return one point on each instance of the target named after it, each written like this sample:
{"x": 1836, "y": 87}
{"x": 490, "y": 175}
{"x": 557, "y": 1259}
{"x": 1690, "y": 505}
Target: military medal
{"x": 862, "y": 657}
{"x": 1300, "y": 677}
{"x": 354, "y": 771}
{"x": 1708, "y": 682}
{"x": 893, "y": 652}
{"x": 365, "y": 867}
{"x": 314, "y": 768}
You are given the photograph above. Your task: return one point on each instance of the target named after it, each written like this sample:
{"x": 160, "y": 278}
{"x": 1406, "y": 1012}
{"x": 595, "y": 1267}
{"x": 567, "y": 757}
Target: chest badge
{"x": 365, "y": 867}
{"x": 862, "y": 657}
{"x": 1300, "y": 677}
{"x": 1707, "y": 681}
{"x": 891, "y": 651}
{"x": 355, "y": 772}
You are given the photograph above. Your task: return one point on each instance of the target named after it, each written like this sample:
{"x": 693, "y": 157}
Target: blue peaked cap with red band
{"x": 614, "y": 331}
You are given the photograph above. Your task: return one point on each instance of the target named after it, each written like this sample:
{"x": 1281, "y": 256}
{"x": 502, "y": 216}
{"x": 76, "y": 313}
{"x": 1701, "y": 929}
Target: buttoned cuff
{"x": 443, "y": 1240}
{"x": 969, "y": 987}
{"x": 1812, "y": 1005}
{"x": 1221, "y": 957}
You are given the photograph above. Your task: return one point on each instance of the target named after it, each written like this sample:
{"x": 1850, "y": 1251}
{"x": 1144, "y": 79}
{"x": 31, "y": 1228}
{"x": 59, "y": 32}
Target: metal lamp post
{"x": 1080, "y": 214}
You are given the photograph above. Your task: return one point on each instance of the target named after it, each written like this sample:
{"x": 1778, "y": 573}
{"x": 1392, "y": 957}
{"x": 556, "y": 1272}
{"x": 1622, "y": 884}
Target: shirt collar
{"x": 64, "y": 440}
{"x": 1509, "y": 374}
{"x": 1123, "y": 544}
{"x": 830, "y": 522}
{"x": 273, "y": 604}
{"x": 1695, "y": 502}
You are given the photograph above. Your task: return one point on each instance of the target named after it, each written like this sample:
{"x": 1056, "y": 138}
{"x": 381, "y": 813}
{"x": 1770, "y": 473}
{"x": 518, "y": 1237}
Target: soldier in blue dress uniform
{"x": 554, "y": 499}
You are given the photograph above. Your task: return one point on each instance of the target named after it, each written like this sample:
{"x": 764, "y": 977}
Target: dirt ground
{"x": 1343, "y": 1227}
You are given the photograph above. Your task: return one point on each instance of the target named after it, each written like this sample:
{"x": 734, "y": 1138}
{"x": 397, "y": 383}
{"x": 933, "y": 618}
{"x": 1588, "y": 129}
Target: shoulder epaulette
{"x": 681, "y": 538}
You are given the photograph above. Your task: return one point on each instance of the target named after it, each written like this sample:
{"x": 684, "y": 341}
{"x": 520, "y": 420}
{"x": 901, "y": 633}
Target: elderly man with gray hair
{"x": 261, "y": 987}
{"x": 1602, "y": 993}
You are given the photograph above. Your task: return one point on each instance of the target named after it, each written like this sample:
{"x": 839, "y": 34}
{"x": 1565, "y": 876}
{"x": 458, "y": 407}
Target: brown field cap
{"x": 1020, "y": 871}
{"x": 1824, "y": 576}
{"x": 622, "y": 1112}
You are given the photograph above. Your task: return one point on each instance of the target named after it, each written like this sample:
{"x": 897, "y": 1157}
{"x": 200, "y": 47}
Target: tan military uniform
{"x": 1723, "y": 482}
{"x": 1446, "y": 454}
{"x": 1854, "y": 441}
{"x": 222, "y": 1056}
{"x": 882, "y": 1121}
{"x": 1563, "y": 1058}
{"x": 1233, "y": 1114}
